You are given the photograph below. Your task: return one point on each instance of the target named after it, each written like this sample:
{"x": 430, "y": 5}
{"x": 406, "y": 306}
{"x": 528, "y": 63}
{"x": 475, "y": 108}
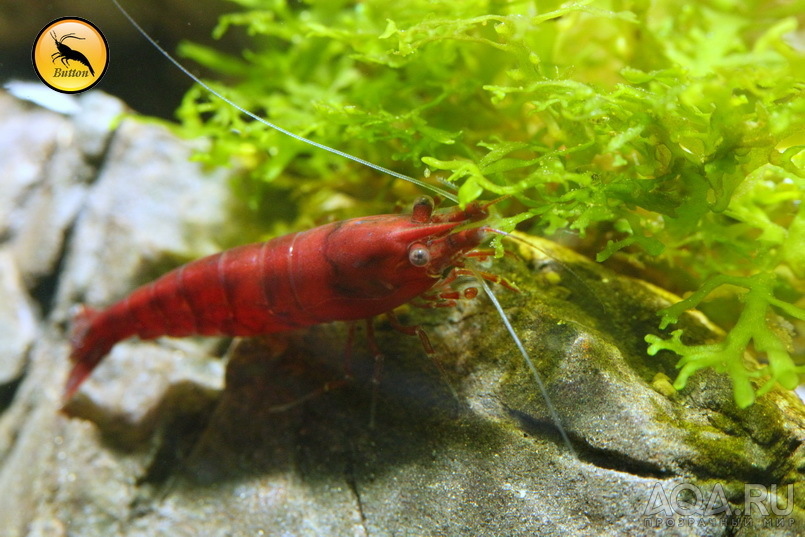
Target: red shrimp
{"x": 355, "y": 269}
{"x": 344, "y": 271}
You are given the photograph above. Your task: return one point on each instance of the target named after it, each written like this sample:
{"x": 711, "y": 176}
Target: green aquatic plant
{"x": 668, "y": 135}
{"x": 752, "y": 327}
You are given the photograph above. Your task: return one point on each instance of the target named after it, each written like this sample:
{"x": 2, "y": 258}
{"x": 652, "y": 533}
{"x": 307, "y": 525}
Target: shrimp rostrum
{"x": 343, "y": 271}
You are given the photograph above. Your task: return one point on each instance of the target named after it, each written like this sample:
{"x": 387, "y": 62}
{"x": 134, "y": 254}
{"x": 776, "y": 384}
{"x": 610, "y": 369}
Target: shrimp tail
{"x": 88, "y": 348}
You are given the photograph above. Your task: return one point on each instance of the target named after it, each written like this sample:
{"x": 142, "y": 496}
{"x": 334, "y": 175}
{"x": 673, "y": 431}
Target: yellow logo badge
{"x": 70, "y": 55}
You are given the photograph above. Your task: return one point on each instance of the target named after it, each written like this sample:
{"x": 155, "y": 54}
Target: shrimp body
{"x": 342, "y": 271}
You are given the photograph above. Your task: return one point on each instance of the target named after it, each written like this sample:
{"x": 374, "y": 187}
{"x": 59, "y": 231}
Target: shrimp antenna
{"x": 552, "y": 412}
{"x": 448, "y": 195}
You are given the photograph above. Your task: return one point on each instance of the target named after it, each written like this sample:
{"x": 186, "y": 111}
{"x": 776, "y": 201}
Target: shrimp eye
{"x": 418, "y": 255}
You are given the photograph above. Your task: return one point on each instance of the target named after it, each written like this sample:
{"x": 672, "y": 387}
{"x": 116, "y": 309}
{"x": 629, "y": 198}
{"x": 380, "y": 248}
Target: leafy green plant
{"x": 669, "y": 134}
{"x": 752, "y": 326}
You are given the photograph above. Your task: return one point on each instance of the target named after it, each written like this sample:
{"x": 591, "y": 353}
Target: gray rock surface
{"x": 158, "y": 444}
{"x": 18, "y": 320}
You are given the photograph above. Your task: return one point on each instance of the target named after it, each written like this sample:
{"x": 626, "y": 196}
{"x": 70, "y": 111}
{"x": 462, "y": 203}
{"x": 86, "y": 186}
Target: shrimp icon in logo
{"x": 70, "y": 55}
{"x": 66, "y": 54}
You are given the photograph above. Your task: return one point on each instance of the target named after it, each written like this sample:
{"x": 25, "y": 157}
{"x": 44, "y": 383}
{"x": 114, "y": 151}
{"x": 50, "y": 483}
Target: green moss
{"x": 668, "y": 133}
{"x": 752, "y": 327}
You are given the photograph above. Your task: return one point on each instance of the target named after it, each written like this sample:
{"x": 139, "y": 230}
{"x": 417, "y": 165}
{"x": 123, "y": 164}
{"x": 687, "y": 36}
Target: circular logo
{"x": 70, "y": 55}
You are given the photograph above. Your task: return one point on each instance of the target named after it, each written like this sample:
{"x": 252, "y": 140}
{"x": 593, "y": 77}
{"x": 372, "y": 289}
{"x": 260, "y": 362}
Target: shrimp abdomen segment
{"x": 238, "y": 292}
